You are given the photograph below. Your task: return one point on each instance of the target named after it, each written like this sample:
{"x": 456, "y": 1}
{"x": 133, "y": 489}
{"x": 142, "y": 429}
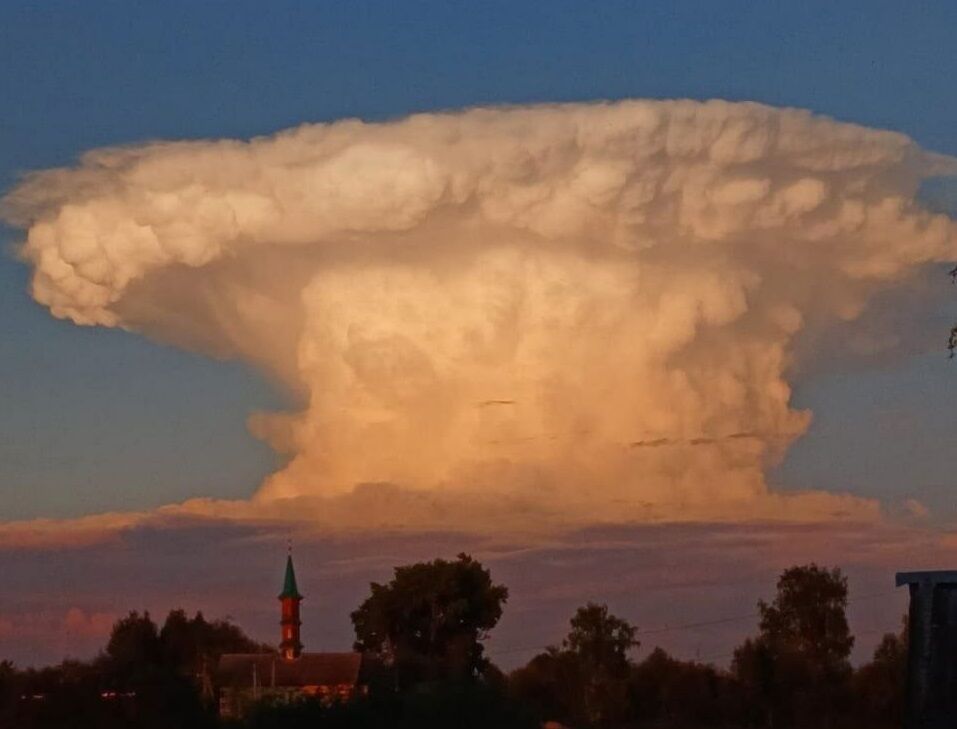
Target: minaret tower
{"x": 290, "y": 647}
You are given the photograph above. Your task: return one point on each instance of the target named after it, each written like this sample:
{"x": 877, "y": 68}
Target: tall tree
{"x": 599, "y": 643}
{"x": 585, "y": 682}
{"x": 808, "y": 617}
{"x": 192, "y": 646}
{"x": 797, "y": 668}
{"x": 429, "y": 621}
{"x": 134, "y": 648}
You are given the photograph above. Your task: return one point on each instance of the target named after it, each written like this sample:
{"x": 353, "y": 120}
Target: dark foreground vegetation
{"x": 426, "y": 627}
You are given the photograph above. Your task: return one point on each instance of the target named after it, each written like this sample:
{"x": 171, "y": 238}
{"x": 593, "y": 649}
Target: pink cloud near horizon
{"x": 657, "y": 576}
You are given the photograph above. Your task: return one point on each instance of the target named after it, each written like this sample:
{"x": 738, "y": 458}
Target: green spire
{"x": 289, "y": 588}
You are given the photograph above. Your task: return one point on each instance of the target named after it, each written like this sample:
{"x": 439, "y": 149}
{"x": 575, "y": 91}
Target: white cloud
{"x": 603, "y": 275}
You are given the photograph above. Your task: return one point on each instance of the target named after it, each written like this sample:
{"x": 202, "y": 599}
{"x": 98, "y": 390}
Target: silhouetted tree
{"x": 178, "y": 640}
{"x": 134, "y": 647}
{"x": 599, "y": 643}
{"x": 552, "y": 684}
{"x": 193, "y": 646}
{"x": 665, "y": 692}
{"x": 145, "y": 678}
{"x": 429, "y": 620}
{"x": 139, "y": 671}
{"x": 586, "y": 680}
{"x": 879, "y": 685}
{"x": 797, "y": 669}
{"x": 757, "y": 670}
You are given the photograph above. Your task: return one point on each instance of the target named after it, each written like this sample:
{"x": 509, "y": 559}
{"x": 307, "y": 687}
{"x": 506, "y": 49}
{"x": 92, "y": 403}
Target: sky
{"x": 97, "y": 419}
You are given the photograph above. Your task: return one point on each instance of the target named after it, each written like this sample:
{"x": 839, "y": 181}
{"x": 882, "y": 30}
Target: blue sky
{"x": 94, "y": 419}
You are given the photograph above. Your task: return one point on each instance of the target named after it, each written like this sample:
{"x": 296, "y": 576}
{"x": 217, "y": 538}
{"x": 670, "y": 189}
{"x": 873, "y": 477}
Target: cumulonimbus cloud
{"x": 576, "y": 312}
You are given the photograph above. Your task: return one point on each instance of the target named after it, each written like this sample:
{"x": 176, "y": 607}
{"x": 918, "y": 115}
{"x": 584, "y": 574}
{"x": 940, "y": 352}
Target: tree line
{"x": 424, "y": 631}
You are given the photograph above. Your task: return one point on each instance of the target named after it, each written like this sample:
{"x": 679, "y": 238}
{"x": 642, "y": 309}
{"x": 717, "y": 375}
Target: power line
{"x": 735, "y": 618}
{"x": 699, "y": 624}
{"x": 651, "y": 631}
{"x": 703, "y": 624}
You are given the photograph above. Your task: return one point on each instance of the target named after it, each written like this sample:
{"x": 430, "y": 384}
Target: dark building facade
{"x": 932, "y": 652}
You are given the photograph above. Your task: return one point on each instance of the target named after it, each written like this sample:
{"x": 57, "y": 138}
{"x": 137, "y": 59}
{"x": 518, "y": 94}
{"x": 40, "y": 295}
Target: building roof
{"x": 928, "y": 576}
{"x": 289, "y": 588}
{"x": 236, "y": 670}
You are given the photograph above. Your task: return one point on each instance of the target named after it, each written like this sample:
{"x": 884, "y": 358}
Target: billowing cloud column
{"x": 585, "y": 309}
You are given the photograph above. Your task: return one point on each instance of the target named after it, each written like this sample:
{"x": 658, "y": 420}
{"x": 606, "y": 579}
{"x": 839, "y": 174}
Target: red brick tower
{"x": 291, "y": 646}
